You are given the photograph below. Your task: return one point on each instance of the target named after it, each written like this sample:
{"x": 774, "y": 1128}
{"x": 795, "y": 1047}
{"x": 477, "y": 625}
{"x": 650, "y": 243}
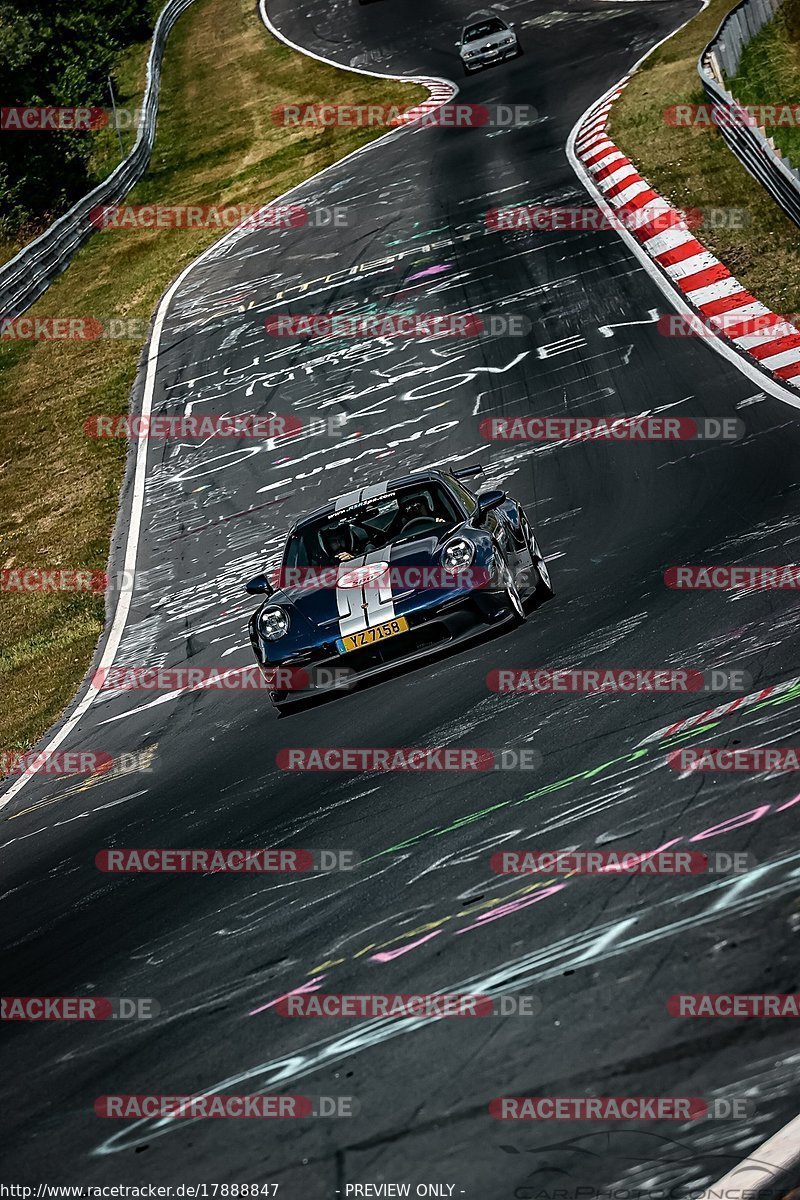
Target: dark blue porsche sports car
{"x": 390, "y": 573}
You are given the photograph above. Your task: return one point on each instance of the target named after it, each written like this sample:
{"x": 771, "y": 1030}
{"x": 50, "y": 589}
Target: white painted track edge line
{"x": 281, "y": 37}
{"x": 122, "y": 609}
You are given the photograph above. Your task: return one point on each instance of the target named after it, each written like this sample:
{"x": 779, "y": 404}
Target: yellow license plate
{"x": 367, "y": 637}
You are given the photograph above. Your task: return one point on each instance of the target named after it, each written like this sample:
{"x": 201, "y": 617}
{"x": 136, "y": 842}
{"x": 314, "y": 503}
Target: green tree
{"x": 56, "y": 52}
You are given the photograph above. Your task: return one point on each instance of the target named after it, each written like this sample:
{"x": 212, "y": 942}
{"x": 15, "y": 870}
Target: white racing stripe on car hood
{"x": 364, "y": 606}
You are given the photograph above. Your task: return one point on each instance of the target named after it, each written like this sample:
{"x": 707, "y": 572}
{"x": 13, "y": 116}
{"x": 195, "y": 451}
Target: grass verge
{"x": 216, "y": 144}
{"x": 769, "y": 72}
{"x": 693, "y": 167}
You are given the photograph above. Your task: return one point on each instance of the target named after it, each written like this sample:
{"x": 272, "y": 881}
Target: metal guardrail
{"x": 748, "y": 141}
{"x": 740, "y": 27}
{"x": 26, "y": 276}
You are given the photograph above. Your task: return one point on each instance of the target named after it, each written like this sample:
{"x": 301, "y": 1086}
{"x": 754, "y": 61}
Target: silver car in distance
{"x": 485, "y": 39}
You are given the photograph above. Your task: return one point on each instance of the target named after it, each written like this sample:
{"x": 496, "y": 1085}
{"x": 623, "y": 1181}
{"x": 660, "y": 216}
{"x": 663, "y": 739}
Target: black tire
{"x": 513, "y": 599}
{"x": 544, "y": 587}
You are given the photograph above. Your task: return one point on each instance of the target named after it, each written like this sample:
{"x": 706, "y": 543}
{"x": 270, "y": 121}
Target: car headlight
{"x": 471, "y": 53}
{"x": 457, "y": 554}
{"x": 273, "y": 623}
{"x": 509, "y": 41}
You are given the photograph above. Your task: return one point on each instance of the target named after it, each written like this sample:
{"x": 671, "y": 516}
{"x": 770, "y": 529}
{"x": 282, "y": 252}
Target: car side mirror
{"x": 259, "y": 586}
{"x": 457, "y": 45}
{"x": 511, "y": 24}
{"x": 487, "y": 501}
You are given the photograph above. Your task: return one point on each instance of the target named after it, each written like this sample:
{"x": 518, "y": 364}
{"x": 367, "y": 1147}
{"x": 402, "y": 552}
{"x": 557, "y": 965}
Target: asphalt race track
{"x": 424, "y": 911}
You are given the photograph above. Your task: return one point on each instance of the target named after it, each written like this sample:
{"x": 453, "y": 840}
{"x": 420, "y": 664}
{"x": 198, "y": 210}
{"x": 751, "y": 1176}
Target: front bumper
{"x": 430, "y": 631}
{"x": 485, "y": 57}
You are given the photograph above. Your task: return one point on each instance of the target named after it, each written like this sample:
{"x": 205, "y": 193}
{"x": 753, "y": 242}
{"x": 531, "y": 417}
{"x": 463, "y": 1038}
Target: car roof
{"x": 397, "y": 481}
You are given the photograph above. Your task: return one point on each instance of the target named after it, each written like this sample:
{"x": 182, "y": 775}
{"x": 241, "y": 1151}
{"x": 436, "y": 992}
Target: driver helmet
{"x": 415, "y": 507}
{"x": 337, "y": 542}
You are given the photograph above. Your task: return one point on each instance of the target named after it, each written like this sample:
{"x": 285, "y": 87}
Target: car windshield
{"x": 418, "y": 510}
{"x": 473, "y": 32}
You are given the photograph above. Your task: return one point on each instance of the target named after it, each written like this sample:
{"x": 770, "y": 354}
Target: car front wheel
{"x": 511, "y": 592}
{"x": 544, "y": 587}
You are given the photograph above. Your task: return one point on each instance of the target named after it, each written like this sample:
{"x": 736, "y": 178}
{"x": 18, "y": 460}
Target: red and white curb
{"x": 705, "y": 284}
{"x": 722, "y": 710}
{"x": 440, "y": 92}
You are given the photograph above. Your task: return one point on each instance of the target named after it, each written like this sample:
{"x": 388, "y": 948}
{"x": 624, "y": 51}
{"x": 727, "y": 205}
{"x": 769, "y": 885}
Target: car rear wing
{"x": 466, "y": 472}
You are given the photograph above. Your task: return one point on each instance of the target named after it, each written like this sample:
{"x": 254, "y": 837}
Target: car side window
{"x": 465, "y": 496}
